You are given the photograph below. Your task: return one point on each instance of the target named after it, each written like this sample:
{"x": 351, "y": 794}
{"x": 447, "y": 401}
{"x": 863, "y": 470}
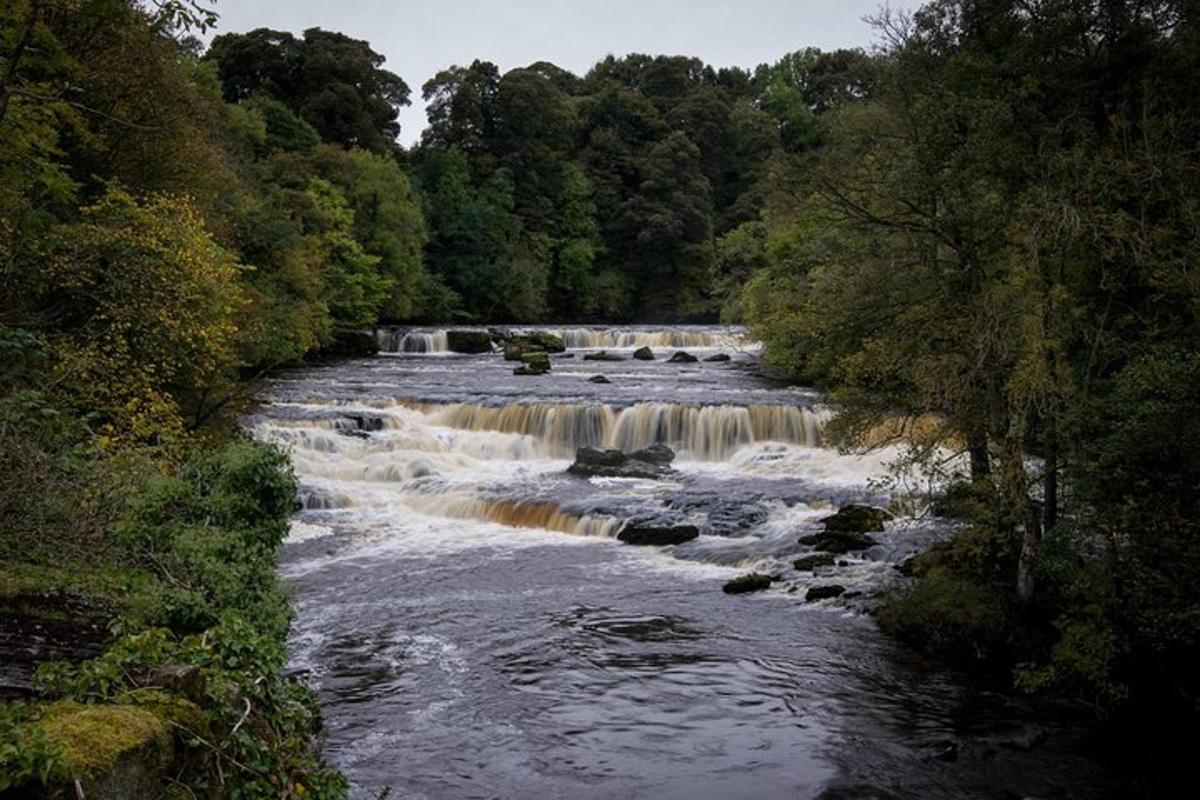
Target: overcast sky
{"x": 421, "y": 37}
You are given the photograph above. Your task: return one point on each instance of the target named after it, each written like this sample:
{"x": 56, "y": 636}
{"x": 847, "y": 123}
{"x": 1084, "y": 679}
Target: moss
{"x": 94, "y": 594}
{"x": 94, "y": 738}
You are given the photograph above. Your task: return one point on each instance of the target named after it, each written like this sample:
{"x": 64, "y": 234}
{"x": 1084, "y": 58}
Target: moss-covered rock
{"x": 753, "y": 582}
{"x": 818, "y": 593}
{"x": 856, "y": 518}
{"x": 838, "y": 542}
{"x": 116, "y": 752}
{"x": 809, "y": 563}
{"x": 643, "y": 354}
{"x": 460, "y": 341}
{"x": 598, "y": 379}
{"x": 682, "y": 357}
{"x": 602, "y": 355}
{"x": 656, "y": 534}
{"x": 533, "y": 364}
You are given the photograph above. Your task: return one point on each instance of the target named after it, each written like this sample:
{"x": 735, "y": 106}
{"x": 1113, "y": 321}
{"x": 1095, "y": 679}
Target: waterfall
{"x": 406, "y": 340}
{"x": 705, "y": 433}
{"x": 399, "y": 340}
{"x": 581, "y": 338}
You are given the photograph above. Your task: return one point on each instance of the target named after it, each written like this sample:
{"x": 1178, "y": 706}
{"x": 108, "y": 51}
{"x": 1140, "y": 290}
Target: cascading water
{"x": 474, "y": 627}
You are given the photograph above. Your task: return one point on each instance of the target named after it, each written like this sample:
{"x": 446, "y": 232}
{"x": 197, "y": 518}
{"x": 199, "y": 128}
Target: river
{"x": 475, "y": 630}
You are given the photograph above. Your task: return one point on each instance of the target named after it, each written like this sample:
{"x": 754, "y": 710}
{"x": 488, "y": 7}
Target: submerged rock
{"x": 602, "y": 355}
{"x": 718, "y": 357}
{"x": 643, "y": 354}
{"x": 682, "y": 357}
{"x": 856, "y": 518}
{"x": 809, "y": 563}
{"x": 754, "y": 582}
{"x": 651, "y": 462}
{"x": 598, "y": 379}
{"x": 824, "y": 592}
{"x": 656, "y": 533}
{"x": 469, "y": 341}
{"x": 839, "y": 542}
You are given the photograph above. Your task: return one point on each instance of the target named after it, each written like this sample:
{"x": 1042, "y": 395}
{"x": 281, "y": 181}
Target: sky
{"x": 421, "y": 37}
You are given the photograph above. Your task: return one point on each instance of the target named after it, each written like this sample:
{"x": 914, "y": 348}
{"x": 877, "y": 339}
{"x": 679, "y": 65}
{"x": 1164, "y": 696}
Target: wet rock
{"x": 656, "y": 534}
{"x": 598, "y": 379}
{"x": 753, "y": 582}
{"x": 856, "y": 518}
{"x": 824, "y": 592}
{"x": 469, "y": 341}
{"x": 838, "y": 543}
{"x": 358, "y": 425}
{"x": 651, "y": 462}
{"x": 809, "y": 563}
{"x": 717, "y": 357}
{"x": 602, "y": 355}
{"x": 643, "y": 354}
{"x": 682, "y": 357}
{"x": 534, "y": 364}
{"x": 566, "y": 355}
{"x": 551, "y": 343}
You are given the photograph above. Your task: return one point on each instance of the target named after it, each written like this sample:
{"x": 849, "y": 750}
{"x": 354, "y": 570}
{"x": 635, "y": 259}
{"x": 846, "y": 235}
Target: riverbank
{"x": 152, "y": 663}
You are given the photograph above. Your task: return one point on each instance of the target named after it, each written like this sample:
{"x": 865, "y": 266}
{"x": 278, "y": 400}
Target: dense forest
{"x": 980, "y": 236}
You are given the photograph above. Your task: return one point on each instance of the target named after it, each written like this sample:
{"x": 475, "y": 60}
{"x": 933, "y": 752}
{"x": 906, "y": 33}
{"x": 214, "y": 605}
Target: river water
{"x": 475, "y": 630}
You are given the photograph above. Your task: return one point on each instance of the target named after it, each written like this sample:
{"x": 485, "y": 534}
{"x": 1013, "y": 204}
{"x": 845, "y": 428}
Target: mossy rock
{"x": 598, "y": 379}
{"x": 602, "y": 355}
{"x": 856, "y": 518}
{"x": 682, "y": 357}
{"x": 538, "y": 360}
{"x": 119, "y": 752}
{"x": 838, "y": 543}
{"x": 643, "y": 354}
{"x": 753, "y": 582}
{"x": 809, "y": 563}
{"x": 469, "y": 341}
{"x": 818, "y": 593}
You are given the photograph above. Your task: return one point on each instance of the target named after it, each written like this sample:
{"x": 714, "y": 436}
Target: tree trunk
{"x": 1015, "y": 490}
{"x": 977, "y": 450}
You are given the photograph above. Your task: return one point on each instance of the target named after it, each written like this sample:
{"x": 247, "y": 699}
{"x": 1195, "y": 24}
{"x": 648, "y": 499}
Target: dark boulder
{"x": 824, "y": 592}
{"x": 643, "y": 354}
{"x": 652, "y": 462}
{"x": 598, "y": 379}
{"x": 682, "y": 357}
{"x": 717, "y": 357}
{"x": 856, "y": 518}
{"x": 839, "y": 542}
{"x": 602, "y": 355}
{"x": 809, "y": 563}
{"x": 656, "y": 533}
{"x": 754, "y": 582}
{"x": 351, "y": 344}
{"x": 469, "y": 341}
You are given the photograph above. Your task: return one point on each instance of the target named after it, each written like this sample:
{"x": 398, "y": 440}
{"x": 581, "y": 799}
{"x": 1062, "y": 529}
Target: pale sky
{"x": 421, "y": 37}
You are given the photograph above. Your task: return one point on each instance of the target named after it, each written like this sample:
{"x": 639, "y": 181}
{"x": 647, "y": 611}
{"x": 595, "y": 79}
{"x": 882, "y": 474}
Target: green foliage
{"x": 333, "y": 83}
{"x": 253, "y": 725}
{"x": 211, "y": 532}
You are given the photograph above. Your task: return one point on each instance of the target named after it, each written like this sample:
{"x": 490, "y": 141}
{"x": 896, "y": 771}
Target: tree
{"x": 333, "y": 82}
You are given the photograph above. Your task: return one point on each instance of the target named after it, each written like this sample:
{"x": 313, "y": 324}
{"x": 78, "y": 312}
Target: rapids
{"x": 474, "y": 628}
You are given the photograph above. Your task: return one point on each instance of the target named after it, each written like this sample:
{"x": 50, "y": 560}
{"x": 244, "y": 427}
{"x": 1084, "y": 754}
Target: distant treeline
{"x": 628, "y": 193}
